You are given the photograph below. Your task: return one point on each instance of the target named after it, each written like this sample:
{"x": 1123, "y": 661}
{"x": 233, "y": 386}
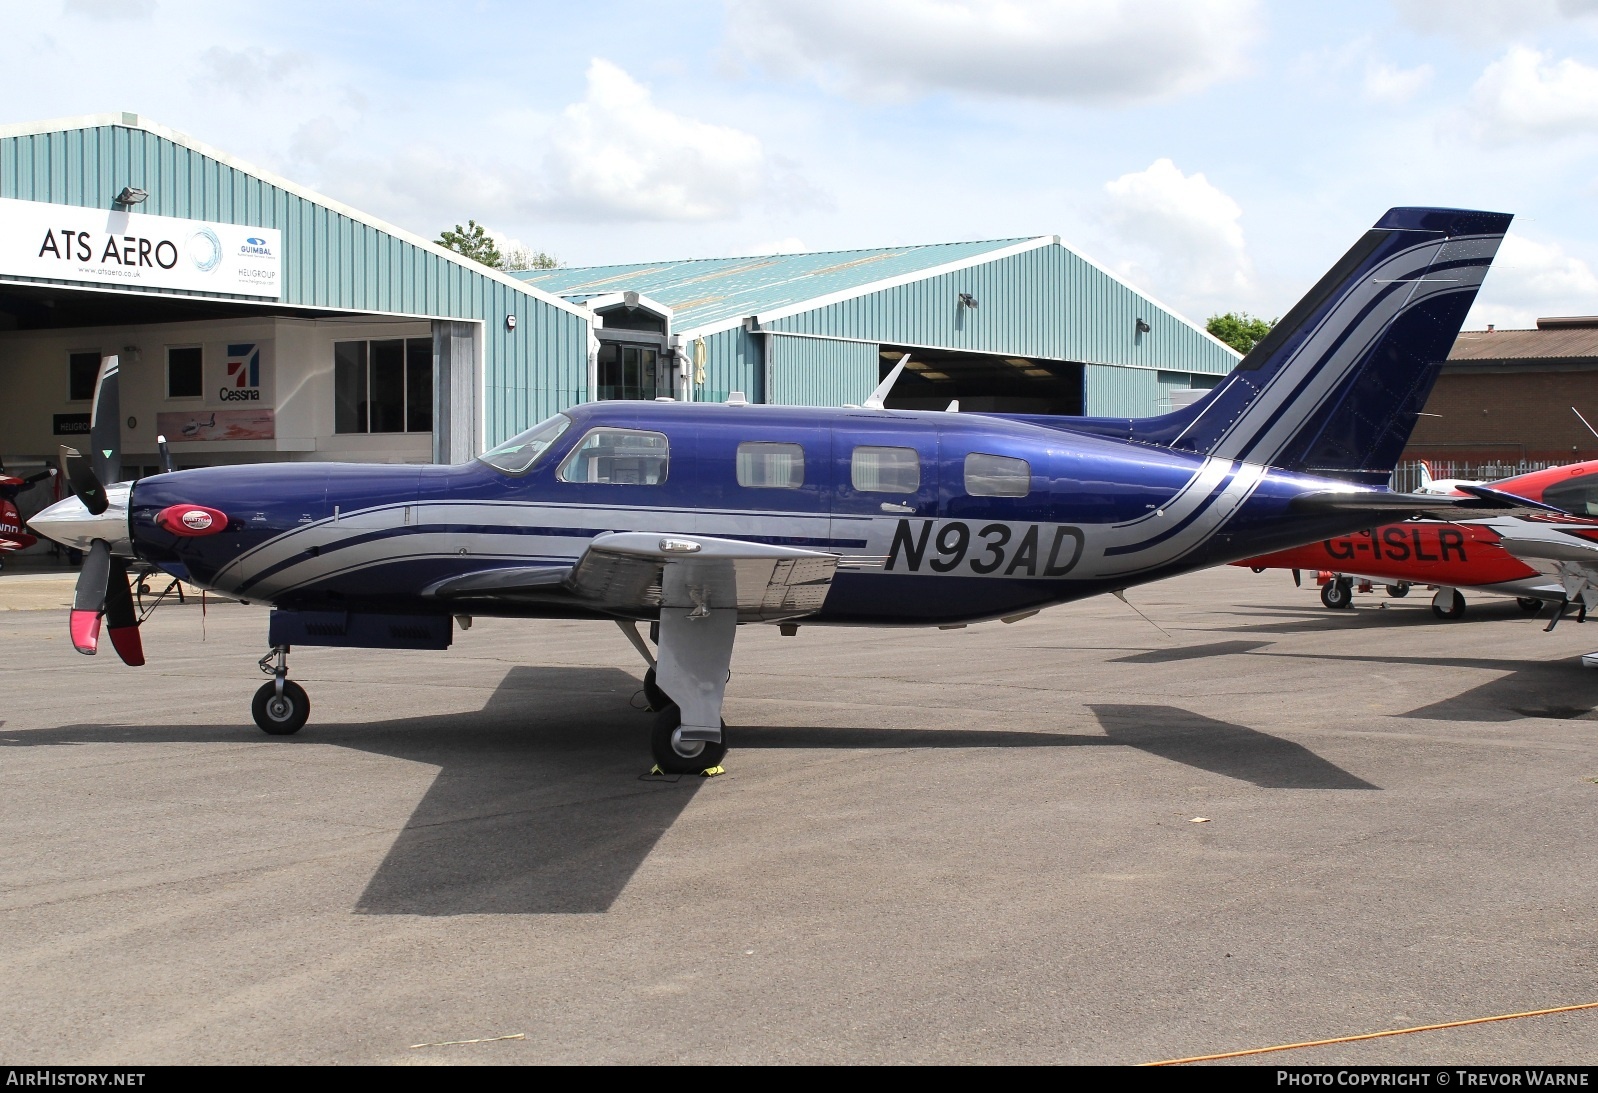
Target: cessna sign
{"x": 137, "y": 250}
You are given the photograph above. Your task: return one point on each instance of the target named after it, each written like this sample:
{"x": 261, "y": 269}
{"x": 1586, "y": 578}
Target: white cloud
{"x": 1490, "y": 20}
{"x": 790, "y": 245}
{"x": 107, "y": 11}
{"x": 616, "y": 154}
{"x": 1529, "y": 280}
{"x": 1184, "y": 235}
{"x": 1081, "y": 50}
{"x": 1526, "y": 93}
{"x": 1390, "y": 84}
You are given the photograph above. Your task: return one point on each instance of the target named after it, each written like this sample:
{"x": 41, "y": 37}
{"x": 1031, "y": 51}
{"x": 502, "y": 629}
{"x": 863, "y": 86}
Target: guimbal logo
{"x": 255, "y": 247}
{"x": 243, "y": 374}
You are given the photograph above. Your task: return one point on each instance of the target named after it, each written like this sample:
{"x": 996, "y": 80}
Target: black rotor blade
{"x": 1298, "y": 579}
{"x": 105, "y": 426}
{"x": 166, "y": 455}
{"x": 88, "y": 599}
{"x": 121, "y": 620}
{"x": 85, "y": 483}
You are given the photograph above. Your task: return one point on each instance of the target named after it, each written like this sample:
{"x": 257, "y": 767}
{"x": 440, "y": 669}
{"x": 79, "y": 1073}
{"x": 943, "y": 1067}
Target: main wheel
{"x": 674, "y": 755}
{"x": 653, "y": 695}
{"x": 1454, "y": 610}
{"x": 1530, "y": 605}
{"x": 1337, "y": 594}
{"x": 281, "y": 716}
{"x": 1398, "y": 591}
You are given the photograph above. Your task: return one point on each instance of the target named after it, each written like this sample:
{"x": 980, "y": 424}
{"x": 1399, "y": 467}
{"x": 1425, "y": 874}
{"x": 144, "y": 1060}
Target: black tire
{"x": 285, "y": 717}
{"x": 655, "y": 698}
{"x": 1529, "y": 605}
{"x": 669, "y": 755}
{"x": 1337, "y": 594}
{"x": 1398, "y": 591}
{"x": 1455, "y": 610}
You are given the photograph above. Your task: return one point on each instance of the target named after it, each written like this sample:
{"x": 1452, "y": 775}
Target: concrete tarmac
{"x": 975, "y": 845}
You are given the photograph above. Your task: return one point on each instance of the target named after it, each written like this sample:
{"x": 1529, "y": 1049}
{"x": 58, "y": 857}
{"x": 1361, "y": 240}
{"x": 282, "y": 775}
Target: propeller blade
{"x": 88, "y": 601}
{"x": 1298, "y": 579}
{"x": 85, "y": 483}
{"x": 166, "y": 455}
{"x": 121, "y": 620}
{"x": 105, "y": 425}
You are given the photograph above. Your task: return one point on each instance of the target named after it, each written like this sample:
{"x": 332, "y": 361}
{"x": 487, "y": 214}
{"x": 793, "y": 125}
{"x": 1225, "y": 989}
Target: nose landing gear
{"x": 280, "y": 707}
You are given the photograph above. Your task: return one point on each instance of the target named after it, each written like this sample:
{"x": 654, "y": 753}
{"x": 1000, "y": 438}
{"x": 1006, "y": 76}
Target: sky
{"x": 1218, "y": 154}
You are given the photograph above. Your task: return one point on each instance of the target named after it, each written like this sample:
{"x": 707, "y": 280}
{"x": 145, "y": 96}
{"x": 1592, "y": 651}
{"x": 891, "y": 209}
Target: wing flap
{"x": 626, "y": 572}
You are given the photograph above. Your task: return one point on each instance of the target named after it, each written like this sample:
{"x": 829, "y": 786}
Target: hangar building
{"x": 255, "y": 320}
{"x": 1505, "y": 400}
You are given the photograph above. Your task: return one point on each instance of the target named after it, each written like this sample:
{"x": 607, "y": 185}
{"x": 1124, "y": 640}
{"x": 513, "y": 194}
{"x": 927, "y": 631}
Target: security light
{"x": 510, "y": 322}
{"x": 130, "y": 196}
{"x": 968, "y": 300}
{"x": 1143, "y": 327}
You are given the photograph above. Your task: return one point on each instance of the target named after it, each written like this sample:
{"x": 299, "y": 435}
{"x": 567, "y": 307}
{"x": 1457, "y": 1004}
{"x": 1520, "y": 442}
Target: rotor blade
{"x": 85, "y": 483}
{"x": 1298, "y": 579}
{"x": 120, "y": 619}
{"x": 105, "y": 425}
{"x": 88, "y": 600}
{"x": 166, "y": 455}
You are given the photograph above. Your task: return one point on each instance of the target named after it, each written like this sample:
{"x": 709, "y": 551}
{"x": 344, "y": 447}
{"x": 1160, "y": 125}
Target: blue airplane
{"x": 696, "y": 517}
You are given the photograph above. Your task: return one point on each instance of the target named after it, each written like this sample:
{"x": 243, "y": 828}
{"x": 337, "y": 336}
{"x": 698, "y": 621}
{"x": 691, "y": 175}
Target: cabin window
{"x": 184, "y": 378}
{"x": 383, "y": 386}
{"x": 520, "y": 452}
{"x": 83, "y": 371}
{"x": 996, "y": 476}
{"x": 1578, "y": 495}
{"x": 768, "y": 466}
{"x": 628, "y": 457}
{"x": 885, "y": 470}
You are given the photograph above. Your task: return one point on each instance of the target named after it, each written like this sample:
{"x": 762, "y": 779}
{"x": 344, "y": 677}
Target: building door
{"x": 631, "y": 371}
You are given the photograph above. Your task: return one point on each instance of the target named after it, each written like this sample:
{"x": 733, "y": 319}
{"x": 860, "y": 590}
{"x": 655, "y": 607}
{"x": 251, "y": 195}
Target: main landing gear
{"x": 281, "y": 706}
{"x": 686, "y": 681}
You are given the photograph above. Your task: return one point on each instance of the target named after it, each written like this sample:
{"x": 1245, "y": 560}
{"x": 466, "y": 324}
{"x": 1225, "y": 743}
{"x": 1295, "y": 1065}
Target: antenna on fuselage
{"x": 875, "y": 401}
{"x": 1584, "y": 421}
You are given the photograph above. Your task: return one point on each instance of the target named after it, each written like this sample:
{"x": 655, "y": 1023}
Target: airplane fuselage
{"x": 945, "y": 518}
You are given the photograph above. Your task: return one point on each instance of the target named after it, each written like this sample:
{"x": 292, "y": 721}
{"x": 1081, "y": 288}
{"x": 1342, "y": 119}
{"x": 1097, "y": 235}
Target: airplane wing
{"x": 625, "y": 573}
{"x": 1481, "y": 501}
{"x": 1570, "y": 559}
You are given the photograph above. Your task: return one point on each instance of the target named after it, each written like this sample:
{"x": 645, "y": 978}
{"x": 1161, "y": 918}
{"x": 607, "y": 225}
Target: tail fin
{"x": 1425, "y": 476}
{"x": 1336, "y": 386}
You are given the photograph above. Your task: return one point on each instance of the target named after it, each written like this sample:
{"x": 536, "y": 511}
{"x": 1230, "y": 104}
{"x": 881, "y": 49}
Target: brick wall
{"x": 1518, "y": 415}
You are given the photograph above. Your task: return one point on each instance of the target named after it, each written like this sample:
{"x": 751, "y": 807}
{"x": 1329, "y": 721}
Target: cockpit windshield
{"x": 520, "y": 452}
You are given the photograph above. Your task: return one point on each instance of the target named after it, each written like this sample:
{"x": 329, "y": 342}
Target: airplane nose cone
{"x": 67, "y": 522}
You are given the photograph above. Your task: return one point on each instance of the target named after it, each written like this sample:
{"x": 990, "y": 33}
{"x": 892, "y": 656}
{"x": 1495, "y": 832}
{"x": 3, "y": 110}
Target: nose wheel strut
{"x": 281, "y": 706}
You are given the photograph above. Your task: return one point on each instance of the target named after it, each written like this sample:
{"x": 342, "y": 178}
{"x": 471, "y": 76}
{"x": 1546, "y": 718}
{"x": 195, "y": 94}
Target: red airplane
{"x": 12, "y": 537}
{"x": 1449, "y": 556}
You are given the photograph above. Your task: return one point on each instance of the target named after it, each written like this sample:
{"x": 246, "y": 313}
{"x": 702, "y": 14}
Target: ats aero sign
{"x": 137, "y": 250}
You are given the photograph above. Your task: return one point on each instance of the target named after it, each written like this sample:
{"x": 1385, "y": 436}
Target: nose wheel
{"x": 281, "y": 707}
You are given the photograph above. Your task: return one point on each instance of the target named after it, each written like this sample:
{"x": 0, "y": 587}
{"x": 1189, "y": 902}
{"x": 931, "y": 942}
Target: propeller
{"x": 166, "y": 454}
{"x": 105, "y": 425}
{"x": 103, "y": 592}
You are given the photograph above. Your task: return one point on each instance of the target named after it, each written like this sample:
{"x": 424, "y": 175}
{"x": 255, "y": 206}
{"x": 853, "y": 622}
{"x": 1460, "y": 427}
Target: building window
{"x": 629, "y": 372}
{"x": 996, "y": 476}
{"x": 183, "y": 373}
{"x": 618, "y": 457}
{"x": 885, "y": 470}
{"x": 767, "y": 466}
{"x": 83, "y": 369}
{"x": 383, "y": 386}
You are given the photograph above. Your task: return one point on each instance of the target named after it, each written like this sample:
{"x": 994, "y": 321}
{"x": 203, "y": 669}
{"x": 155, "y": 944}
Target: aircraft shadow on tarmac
{"x": 1559, "y": 689}
{"x": 538, "y": 807}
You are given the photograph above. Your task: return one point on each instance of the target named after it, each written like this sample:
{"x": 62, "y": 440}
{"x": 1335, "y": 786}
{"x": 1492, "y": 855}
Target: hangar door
{"x": 982, "y": 381}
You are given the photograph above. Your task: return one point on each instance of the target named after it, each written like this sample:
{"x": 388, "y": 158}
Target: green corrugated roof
{"x": 706, "y": 291}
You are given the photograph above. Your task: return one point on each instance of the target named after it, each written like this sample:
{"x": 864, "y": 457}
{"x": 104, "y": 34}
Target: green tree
{"x": 1239, "y": 329}
{"x": 473, "y": 242}
{"x": 527, "y": 258}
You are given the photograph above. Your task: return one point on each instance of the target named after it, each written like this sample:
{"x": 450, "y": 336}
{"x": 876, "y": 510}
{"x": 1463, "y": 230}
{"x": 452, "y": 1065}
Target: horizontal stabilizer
{"x": 1389, "y": 505}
